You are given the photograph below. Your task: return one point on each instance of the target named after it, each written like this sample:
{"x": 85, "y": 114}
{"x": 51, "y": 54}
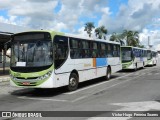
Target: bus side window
{"x": 114, "y": 51}
{"x": 85, "y": 49}
{"x": 91, "y": 49}
{"x": 98, "y": 50}
{"x": 94, "y": 51}
{"x": 75, "y": 46}
{"x": 110, "y": 50}
{"x": 118, "y": 51}
{"x": 61, "y": 50}
{"x": 103, "y": 50}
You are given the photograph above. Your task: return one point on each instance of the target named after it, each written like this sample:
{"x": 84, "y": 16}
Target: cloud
{"x": 158, "y": 47}
{"x": 10, "y": 20}
{"x": 106, "y": 10}
{"x": 43, "y": 1}
{"x": 39, "y": 14}
{"x": 59, "y": 26}
{"x": 5, "y": 4}
{"x": 136, "y": 15}
{"x": 71, "y": 16}
{"x": 152, "y": 36}
{"x": 81, "y": 32}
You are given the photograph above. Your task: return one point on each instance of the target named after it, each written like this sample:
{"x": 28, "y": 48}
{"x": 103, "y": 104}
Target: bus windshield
{"x": 126, "y": 54}
{"x": 31, "y": 53}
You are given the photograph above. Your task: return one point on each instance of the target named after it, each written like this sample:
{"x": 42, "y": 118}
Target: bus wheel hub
{"x": 72, "y": 81}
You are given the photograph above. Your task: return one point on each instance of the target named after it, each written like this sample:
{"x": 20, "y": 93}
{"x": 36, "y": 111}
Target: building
{"x": 6, "y": 30}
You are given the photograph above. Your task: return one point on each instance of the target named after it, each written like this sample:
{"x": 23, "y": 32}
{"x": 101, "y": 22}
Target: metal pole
{"x": 3, "y": 61}
{"x": 4, "y": 57}
{"x": 149, "y": 42}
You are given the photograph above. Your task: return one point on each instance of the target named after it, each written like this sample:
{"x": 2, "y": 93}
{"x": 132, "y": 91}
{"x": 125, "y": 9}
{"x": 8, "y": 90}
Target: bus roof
{"x": 154, "y": 50}
{"x": 49, "y": 31}
{"x": 53, "y": 33}
{"x": 93, "y": 39}
{"x": 134, "y": 47}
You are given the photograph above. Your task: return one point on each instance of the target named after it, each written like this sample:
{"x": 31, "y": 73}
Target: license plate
{"x": 26, "y": 83}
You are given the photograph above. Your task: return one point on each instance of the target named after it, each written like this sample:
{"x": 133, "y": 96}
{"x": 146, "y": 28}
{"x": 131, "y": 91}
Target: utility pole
{"x": 149, "y": 45}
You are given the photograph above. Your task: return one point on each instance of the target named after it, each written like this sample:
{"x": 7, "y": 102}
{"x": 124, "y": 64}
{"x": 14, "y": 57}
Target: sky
{"x": 70, "y": 16}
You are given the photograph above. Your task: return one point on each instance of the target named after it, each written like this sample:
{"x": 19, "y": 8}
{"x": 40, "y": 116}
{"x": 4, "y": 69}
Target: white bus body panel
{"x": 153, "y": 61}
{"x": 85, "y": 69}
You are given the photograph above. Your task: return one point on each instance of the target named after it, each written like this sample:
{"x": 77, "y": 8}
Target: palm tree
{"x": 141, "y": 46}
{"x": 88, "y": 27}
{"x": 101, "y": 32}
{"x": 118, "y": 38}
{"x": 114, "y": 37}
{"x": 132, "y": 37}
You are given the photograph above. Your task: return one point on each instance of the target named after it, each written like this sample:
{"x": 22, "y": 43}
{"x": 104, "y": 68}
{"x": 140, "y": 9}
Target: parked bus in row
{"x": 133, "y": 57}
{"x": 152, "y": 57}
{"x": 48, "y": 59}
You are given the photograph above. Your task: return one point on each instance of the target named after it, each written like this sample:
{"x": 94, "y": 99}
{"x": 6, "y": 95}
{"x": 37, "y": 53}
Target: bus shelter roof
{"x": 4, "y": 38}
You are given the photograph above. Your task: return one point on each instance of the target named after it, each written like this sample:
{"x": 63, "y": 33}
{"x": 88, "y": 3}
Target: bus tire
{"x": 108, "y": 73}
{"x": 73, "y": 82}
{"x": 155, "y": 63}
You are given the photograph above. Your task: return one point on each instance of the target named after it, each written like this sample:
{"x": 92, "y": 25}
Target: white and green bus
{"x": 133, "y": 57}
{"x": 49, "y": 59}
{"x": 152, "y": 57}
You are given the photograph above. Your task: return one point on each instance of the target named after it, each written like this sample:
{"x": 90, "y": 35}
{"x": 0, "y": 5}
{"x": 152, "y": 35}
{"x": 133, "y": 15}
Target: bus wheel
{"x": 108, "y": 74}
{"x": 73, "y": 82}
{"x": 155, "y": 63}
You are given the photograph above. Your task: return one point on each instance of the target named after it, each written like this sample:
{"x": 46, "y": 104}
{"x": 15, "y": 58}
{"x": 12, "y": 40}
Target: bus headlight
{"x": 45, "y": 76}
{"x": 12, "y": 77}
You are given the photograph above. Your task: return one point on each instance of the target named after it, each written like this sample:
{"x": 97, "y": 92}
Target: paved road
{"x": 126, "y": 91}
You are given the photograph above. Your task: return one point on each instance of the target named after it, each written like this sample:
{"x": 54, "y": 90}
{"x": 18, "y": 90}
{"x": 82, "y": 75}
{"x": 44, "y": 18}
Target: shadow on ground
{"x": 37, "y": 92}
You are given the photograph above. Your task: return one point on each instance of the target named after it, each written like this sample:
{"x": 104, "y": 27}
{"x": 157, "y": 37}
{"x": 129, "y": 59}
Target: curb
{"x": 5, "y": 79}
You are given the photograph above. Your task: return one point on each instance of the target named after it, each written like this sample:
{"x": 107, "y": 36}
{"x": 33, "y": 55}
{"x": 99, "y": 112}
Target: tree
{"x": 141, "y": 46}
{"x": 131, "y": 37}
{"x": 101, "y": 32}
{"x": 88, "y": 27}
{"x": 118, "y": 38}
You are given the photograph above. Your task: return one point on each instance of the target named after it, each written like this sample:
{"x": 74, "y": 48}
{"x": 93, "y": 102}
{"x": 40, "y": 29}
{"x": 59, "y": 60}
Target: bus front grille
{"x": 30, "y": 78}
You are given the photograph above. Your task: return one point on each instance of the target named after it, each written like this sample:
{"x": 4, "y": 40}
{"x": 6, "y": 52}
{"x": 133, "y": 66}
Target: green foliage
{"x": 117, "y": 38}
{"x": 141, "y": 46}
{"x": 101, "y": 32}
{"x": 88, "y": 27}
{"x": 131, "y": 37}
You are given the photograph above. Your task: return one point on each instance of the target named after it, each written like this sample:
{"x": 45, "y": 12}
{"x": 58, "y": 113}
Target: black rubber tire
{"x": 108, "y": 73}
{"x": 73, "y": 82}
{"x": 155, "y": 64}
